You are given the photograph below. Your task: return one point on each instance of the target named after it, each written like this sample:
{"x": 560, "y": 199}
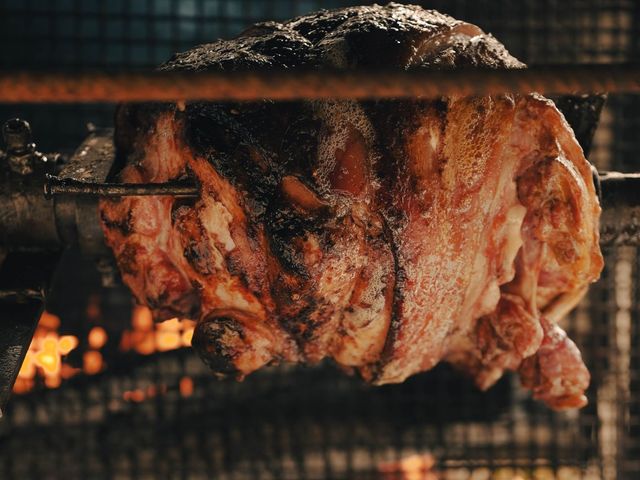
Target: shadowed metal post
{"x": 620, "y": 200}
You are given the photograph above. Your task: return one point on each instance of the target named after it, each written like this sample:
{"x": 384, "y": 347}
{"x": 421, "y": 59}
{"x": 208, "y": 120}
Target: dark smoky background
{"x": 117, "y": 35}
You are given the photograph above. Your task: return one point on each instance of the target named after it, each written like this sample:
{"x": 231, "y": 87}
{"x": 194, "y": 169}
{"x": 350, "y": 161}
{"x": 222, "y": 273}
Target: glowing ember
{"x": 412, "y": 467}
{"x": 141, "y": 318}
{"x": 187, "y": 336}
{"x": 172, "y": 325}
{"x": 146, "y": 340}
{"x": 168, "y": 341}
{"x": 52, "y": 381}
{"x": 50, "y": 362}
{"x": 28, "y": 368}
{"x": 143, "y": 342}
{"x": 49, "y": 321}
{"x": 67, "y": 371}
{"x": 186, "y": 386}
{"x": 140, "y": 395}
{"x": 66, "y": 343}
{"x": 136, "y": 396}
{"x": 93, "y": 308}
{"x": 97, "y": 337}
{"x": 22, "y": 385}
{"x": 44, "y": 357}
{"x": 45, "y": 364}
{"x": 92, "y": 362}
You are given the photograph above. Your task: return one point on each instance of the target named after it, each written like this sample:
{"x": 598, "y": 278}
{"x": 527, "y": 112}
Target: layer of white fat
{"x": 256, "y": 353}
{"x": 232, "y": 298}
{"x": 462, "y": 32}
{"x": 573, "y": 171}
{"x": 563, "y": 304}
{"x": 364, "y": 322}
{"x": 553, "y": 370}
{"x": 222, "y": 289}
{"x": 337, "y": 273}
{"x": 483, "y": 293}
{"x": 560, "y": 306}
{"x": 163, "y": 160}
{"x": 340, "y": 119}
{"x": 513, "y": 236}
{"x": 216, "y": 220}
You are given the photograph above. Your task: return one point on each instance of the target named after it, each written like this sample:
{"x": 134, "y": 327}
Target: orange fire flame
{"x": 141, "y": 394}
{"x": 147, "y": 338}
{"x": 412, "y": 467}
{"x": 45, "y": 357}
{"x": 97, "y": 337}
{"x": 186, "y": 386}
{"x": 92, "y": 362}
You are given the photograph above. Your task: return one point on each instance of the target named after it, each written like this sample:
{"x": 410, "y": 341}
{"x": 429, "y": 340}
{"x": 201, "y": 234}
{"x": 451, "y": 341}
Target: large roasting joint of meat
{"x": 387, "y": 235}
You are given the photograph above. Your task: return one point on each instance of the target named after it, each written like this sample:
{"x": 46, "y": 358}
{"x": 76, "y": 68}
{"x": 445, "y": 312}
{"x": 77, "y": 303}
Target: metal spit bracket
{"x": 76, "y": 216}
{"x": 38, "y": 229}
{"x": 24, "y": 277}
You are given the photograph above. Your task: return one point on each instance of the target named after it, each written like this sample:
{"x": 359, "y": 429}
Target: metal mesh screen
{"x": 315, "y": 422}
{"x": 75, "y": 35}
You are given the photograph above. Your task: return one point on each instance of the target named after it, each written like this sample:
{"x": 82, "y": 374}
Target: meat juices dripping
{"x": 387, "y": 235}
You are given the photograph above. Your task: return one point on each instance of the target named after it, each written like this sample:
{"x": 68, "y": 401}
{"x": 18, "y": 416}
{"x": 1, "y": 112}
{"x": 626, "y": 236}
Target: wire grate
{"x": 74, "y": 35}
{"x": 315, "y": 422}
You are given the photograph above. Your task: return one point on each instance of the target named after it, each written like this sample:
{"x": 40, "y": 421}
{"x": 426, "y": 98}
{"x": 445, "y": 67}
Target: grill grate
{"x": 284, "y": 423}
{"x": 296, "y": 422}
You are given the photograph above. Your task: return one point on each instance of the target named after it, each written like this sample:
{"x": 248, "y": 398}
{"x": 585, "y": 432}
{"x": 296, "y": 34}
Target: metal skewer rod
{"x": 619, "y": 196}
{"x": 21, "y": 294}
{"x": 58, "y": 186}
{"x": 31, "y": 87}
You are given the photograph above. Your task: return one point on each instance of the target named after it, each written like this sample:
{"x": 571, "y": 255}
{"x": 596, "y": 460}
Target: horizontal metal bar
{"x": 21, "y": 294}
{"x": 30, "y": 87}
{"x": 60, "y": 186}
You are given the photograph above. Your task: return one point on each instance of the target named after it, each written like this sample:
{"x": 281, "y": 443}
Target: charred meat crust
{"x": 219, "y": 341}
{"x": 323, "y": 227}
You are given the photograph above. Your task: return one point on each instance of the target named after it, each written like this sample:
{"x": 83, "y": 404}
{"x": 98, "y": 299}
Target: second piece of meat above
{"x": 386, "y": 235}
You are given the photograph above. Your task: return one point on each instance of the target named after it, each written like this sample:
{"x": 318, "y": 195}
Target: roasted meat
{"x": 387, "y": 235}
